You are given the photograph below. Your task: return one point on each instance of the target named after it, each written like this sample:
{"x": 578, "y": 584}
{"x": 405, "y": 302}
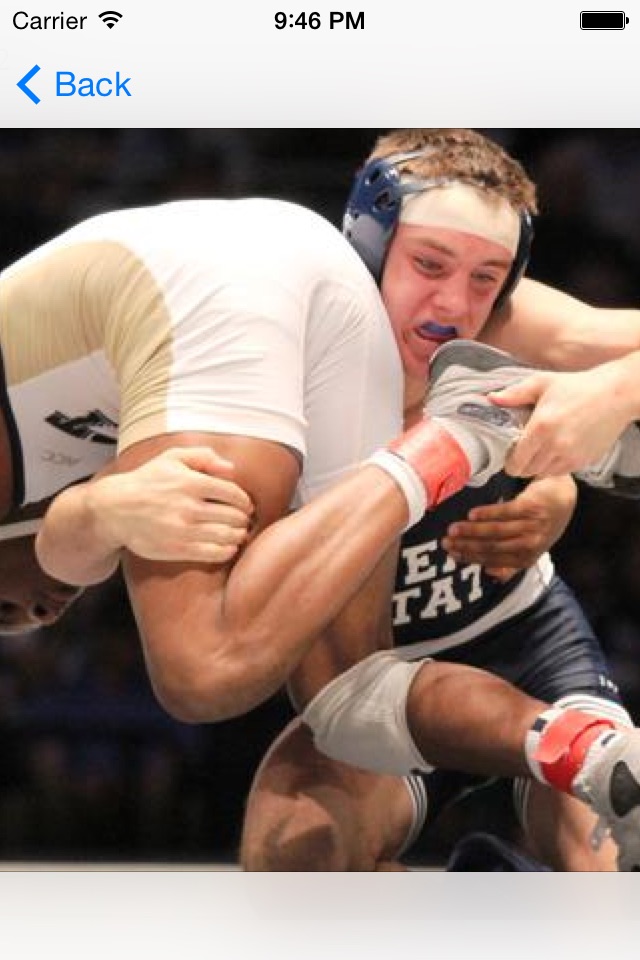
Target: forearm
{"x": 72, "y": 544}
{"x": 367, "y": 621}
{"x": 320, "y": 555}
{"x": 552, "y": 330}
{"x": 218, "y": 642}
{"x": 221, "y": 654}
{"x": 597, "y": 337}
{"x": 623, "y": 375}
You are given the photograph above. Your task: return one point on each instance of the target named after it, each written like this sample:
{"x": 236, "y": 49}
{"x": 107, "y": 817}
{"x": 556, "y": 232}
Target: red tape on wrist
{"x": 437, "y": 458}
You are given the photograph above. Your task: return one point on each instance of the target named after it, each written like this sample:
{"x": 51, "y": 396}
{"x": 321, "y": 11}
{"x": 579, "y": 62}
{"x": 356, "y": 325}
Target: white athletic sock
{"x": 407, "y": 479}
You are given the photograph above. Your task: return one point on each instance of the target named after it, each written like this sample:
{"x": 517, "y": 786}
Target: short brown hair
{"x": 464, "y": 155}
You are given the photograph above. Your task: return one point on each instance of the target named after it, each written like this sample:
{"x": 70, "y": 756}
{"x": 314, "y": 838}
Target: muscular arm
{"x": 506, "y": 535}
{"x": 366, "y": 620}
{"x": 219, "y": 640}
{"x": 554, "y": 331}
{"x": 581, "y": 409}
{"x": 509, "y": 535}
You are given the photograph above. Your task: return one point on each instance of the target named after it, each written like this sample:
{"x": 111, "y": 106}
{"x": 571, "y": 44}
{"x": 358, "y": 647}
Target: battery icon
{"x": 603, "y": 20}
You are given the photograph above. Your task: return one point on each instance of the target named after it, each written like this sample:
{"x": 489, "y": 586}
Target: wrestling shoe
{"x": 461, "y": 374}
{"x": 463, "y": 439}
{"x": 609, "y": 783}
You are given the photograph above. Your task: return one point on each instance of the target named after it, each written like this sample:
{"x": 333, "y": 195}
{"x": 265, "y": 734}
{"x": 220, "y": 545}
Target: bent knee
{"x": 305, "y": 838}
{"x": 193, "y": 698}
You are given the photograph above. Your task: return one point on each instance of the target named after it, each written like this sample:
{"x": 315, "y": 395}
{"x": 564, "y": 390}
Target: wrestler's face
{"x": 439, "y": 284}
{"x": 28, "y": 597}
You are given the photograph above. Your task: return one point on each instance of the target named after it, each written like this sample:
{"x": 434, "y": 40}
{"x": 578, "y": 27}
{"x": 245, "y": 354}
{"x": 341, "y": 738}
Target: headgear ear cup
{"x": 373, "y": 210}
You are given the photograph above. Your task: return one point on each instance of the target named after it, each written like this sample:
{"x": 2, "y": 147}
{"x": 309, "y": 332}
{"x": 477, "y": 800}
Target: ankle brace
{"x": 438, "y": 457}
{"x": 558, "y": 742}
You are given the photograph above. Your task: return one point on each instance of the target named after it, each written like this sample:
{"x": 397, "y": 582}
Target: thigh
{"x": 307, "y": 812}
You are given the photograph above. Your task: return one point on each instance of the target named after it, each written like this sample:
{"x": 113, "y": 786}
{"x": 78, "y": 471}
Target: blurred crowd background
{"x": 91, "y": 768}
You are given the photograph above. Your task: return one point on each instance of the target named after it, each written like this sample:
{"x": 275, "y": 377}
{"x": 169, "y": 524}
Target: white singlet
{"x": 250, "y": 317}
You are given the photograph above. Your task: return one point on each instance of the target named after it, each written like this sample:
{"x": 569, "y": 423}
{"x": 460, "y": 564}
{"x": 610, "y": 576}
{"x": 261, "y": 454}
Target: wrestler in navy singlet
{"x": 530, "y": 631}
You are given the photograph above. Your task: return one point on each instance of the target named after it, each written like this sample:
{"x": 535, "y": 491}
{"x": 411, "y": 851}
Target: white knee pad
{"x": 360, "y": 717}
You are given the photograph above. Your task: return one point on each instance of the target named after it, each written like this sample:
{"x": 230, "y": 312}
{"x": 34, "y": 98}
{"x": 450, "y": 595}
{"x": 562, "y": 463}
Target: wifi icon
{"x": 110, "y": 18}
